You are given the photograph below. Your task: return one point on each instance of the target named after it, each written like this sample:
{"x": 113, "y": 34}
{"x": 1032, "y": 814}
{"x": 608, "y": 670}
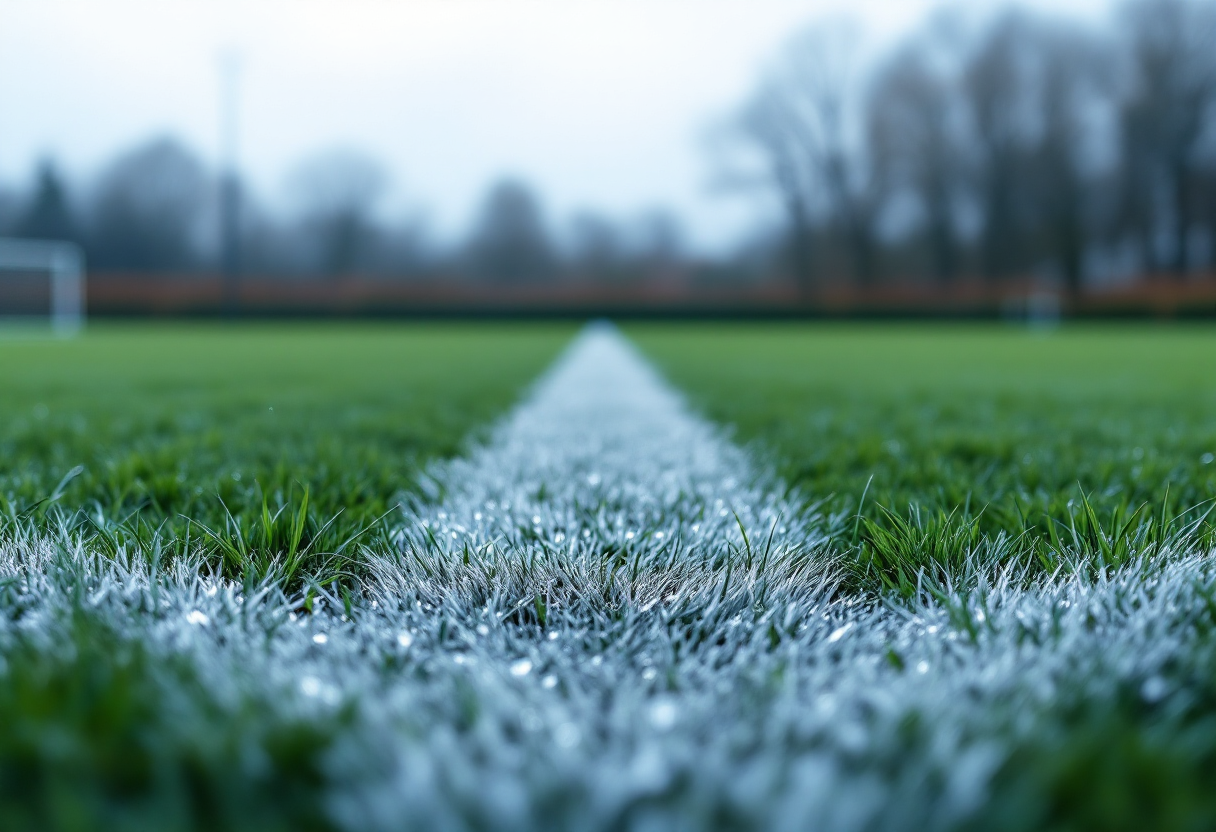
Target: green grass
{"x": 265, "y": 444}
{"x": 964, "y": 437}
{"x": 938, "y": 454}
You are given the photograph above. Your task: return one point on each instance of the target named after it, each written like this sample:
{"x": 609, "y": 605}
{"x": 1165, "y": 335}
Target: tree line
{"x": 998, "y": 148}
{"x": 157, "y": 209}
{"x": 1017, "y": 146}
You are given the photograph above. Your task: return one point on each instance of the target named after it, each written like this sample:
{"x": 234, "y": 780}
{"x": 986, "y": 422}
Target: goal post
{"x": 42, "y": 279}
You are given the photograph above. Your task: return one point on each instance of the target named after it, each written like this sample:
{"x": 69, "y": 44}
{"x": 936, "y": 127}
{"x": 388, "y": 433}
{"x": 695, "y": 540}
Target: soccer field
{"x": 687, "y": 577}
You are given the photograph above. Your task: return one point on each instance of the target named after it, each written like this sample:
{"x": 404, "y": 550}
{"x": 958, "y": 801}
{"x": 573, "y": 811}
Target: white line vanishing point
{"x": 604, "y": 453}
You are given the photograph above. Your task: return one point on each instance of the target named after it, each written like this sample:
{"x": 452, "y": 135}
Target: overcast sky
{"x": 598, "y": 103}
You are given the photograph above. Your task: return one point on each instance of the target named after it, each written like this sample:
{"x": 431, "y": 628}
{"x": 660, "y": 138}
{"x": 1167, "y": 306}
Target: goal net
{"x": 42, "y": 282}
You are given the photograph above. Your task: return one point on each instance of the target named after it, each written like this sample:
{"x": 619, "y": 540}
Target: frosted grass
{"x": 607, "y": 618}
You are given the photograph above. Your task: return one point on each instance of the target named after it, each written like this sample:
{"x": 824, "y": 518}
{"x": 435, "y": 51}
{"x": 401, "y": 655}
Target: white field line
{"x": 604, "y": 455}
{"x": 573, "y": 635}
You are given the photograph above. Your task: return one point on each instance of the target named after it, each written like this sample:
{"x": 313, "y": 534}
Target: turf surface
{"x": 1101, "y": 438}
{"x": 969, "y": 451}
{"x": 192, "y": 430}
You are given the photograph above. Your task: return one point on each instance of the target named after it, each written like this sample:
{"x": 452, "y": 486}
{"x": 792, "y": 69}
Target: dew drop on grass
{"x": 310, "y": 686}
{"x": 566, "y": 735}
{"x": 405, "y": 639}
{"x": 198, "y": 618}
{"x": 1207, "y": 459}
{"x": 483, "y": 630}
{"x": 549, "y": 682}
{"x": 839, "y": 632}
{"x": 663, "y": 713}
{"x": 521, "y": 667}
{"x": 922, "y": 667}
{"x": 320, "y": 638}
{"x": 1154, "y": 689}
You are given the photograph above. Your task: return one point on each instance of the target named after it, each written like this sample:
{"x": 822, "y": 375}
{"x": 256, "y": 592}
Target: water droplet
{"x": 629, "y": 535}
{"x": 593, "y": 479}
{"x": 566, "y": 735}
{"x": 198, "y": 617}
{"x": 320, "y": 638}
{"x": 658, "y": 535}
{"x": 405, "y": 639}
{"x": 310, "y": 686}
{"x": 549, "y": 681}
{"x": 649, "y": 673}
{"x": 553, "y": 636}
{"x": 1154, "y": 689}
{"x": 483, "y": 630}
{"x": 521, "y": 667}
{"x": 839, "y": 632}
{"x": 1208, "y": 459}
{"x": 663, "y": 713}
{"x": 922, "y": 667}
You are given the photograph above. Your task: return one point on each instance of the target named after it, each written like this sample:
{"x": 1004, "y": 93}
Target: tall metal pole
{"x": 230, "y": 182}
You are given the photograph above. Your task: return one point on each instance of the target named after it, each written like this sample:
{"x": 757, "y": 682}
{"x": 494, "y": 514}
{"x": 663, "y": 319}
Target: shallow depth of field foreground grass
{"x": 987, "y": 601}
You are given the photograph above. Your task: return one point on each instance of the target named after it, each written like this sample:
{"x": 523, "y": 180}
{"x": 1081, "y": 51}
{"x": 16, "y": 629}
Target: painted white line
{"x": 606, "y": 456}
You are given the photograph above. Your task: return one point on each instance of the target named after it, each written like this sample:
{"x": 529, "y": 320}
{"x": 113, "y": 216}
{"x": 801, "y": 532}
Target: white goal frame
{"x": 64, "y": 263}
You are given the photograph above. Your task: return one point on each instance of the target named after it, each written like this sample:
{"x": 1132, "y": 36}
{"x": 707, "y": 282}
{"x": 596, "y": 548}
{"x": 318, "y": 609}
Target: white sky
{"x": 599, "y": 103}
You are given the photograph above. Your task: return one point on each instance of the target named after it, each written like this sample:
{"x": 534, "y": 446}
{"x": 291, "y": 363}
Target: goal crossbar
{"x": 64, "y": 263}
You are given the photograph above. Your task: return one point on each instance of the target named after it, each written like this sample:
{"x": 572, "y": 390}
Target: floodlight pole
{"x": 230, "y": 185}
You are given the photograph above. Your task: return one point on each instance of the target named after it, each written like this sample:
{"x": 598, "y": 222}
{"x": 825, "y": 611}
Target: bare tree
{"x": 1072, "y": 98}
{"x": 337, "y": 192}
{"x": 915, "y": 120}
{"x": 509, "y": 243}
{"x": 597, "y": 249}
{"x": 767, "y": 122}
{"x": 806, "y": 119}
{"x": 1167, "y": 106}
{"x": 48, "y": 213}
{"x": 998, "y": 93}
{"x": 147, "y": 210}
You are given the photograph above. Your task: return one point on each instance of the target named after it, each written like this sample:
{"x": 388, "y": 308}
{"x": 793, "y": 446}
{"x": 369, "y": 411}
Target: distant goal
{"x": 42, "y": 284}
